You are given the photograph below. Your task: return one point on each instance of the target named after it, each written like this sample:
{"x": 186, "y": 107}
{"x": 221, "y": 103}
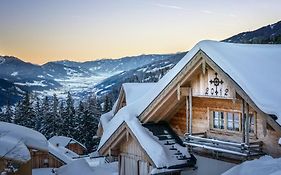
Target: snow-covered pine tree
{"x": 79, "y": 122}
{"x": 69, "y": 119}
{"x": 89, "y": 125}
{"x": 25, "y": 114}
{"x": 7, "y": 115}
{"x": 56, "y": 123}
{"x": 108, "y": 103}
{"x": 39, "y": 114}
{"x": 94, "y": 108}
{"x": 62, "y": 112}
{"x": 47, "y": 120}
{"x": 17, "y": 115}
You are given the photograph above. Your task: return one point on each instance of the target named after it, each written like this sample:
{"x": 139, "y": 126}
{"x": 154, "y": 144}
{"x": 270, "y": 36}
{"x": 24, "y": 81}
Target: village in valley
{"x": 212, "y": 109}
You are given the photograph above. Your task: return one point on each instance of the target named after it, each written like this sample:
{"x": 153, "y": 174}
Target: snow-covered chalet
{"x": 221, "y": 100}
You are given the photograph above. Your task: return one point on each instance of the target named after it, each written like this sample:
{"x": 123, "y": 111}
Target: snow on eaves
{"x": 255, "y": 68}
{"x": 31, "y": 138}
{"x": 64, "y": 141}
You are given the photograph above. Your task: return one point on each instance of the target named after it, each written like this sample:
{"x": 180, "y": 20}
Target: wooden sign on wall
{"x": 211, "y": 84}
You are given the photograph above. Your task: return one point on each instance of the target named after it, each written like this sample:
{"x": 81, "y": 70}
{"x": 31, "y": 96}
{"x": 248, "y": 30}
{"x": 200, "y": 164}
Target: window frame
{"x": 225, "y": 113}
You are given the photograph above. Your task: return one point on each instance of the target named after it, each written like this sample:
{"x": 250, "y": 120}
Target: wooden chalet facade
{"x": 42, "y": 159}
{"x": 206, "y": 108}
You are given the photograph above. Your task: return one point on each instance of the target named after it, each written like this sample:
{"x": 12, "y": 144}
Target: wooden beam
{"x": 247, "y": 129}
{"x": 190, "y": 111}
{"x": 182, "y": 91}
{"x": 243, "y": 121}
{"x": 186, "y": 112}
{"x": 179, "y": 92}
{"x": 204, "y": 67}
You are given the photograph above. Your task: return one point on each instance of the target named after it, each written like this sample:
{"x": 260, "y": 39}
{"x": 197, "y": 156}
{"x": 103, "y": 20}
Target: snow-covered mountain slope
{"x": 25, "y": 74}
{"x": 148, "y": 73}
{"x": 80, "y": 78}
{"x": 113, "y": 66}
{"x": 10, "y": 91}
{"x": 264, "y": 35}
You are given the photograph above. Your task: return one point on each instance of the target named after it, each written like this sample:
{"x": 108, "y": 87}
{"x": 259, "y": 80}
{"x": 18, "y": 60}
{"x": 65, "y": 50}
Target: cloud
{"x": 207, "y": 11}
{"x": 168, "y": 6}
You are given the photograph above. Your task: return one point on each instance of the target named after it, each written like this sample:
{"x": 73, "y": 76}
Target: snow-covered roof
{"x": 244, "y": 63}
{"x": 264, "y": 165}
{"x": 134, "y": 91}
{"x": 62, "y": 153}
{"x": 13, "y": 149}
{"x": 64, "y": 141}
{"x": 254, "y": 67}
{"x": 15, "y": 141}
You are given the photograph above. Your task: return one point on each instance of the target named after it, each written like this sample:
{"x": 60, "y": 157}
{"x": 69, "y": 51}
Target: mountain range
{"x": 100, "y": 76}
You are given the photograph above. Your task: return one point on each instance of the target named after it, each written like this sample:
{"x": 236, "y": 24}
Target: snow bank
{"x": 81, "y": 166}
{"x": 42, "y": 171}
{"x": 264, "y": 165}
{"x": 29, "y": 137}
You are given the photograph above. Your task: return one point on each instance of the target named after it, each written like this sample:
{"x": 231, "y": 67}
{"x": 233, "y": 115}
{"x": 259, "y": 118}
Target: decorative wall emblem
{"x": 216, "y": 88}
{"x": 216, "y": 83}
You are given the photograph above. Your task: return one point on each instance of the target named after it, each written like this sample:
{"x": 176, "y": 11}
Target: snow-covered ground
{"x": 42, "y": 171}
{"x": 265, "y": 165}
{"x": 83, "y": 166}
{"x": 208, "y": 166}
{"x": 75, "y": 85}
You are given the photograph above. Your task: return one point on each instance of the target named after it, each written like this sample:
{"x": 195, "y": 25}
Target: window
{"x": 233, "y": 121}
{"x": 218, "y": 120}
{"x": 252, "y": 123}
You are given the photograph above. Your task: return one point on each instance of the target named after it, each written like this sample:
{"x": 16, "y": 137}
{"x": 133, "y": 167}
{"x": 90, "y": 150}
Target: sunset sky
{"x": 43, "y": 30}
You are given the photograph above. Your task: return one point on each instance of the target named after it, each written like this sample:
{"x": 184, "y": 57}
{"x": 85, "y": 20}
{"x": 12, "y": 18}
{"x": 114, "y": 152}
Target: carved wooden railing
{"x": 240, "y": 149}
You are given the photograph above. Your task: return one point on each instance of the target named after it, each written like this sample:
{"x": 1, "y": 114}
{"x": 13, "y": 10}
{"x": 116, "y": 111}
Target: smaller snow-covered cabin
{"x": 16, "y": 146}
{"x": 55, "y": 158}
{"x": 69, "y": 143}
{"x": 221, "y": 99}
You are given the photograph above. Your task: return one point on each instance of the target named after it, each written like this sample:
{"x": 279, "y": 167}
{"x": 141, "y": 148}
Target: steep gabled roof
{"x": 255, "y": 68}
{"x": 64, "y": 141}
{"x": 135, "y": 91}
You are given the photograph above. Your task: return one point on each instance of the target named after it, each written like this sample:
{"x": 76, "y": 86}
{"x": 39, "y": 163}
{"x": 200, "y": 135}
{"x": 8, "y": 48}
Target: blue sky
{"x": 43, "y": 30}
